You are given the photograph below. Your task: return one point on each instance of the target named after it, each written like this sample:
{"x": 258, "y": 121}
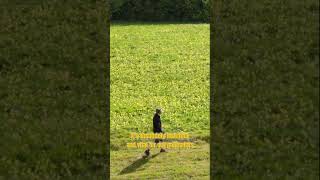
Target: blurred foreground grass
{"x": 53, "y": 90}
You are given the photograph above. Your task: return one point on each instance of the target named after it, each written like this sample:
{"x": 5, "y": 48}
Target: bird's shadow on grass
{"x": 136, "y": 164}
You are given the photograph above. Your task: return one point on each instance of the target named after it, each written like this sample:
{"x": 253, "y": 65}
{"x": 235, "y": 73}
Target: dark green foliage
{"x": 53, "y": 90}
{"x": 160, "y": 10}
{"x": 266, "y": 89}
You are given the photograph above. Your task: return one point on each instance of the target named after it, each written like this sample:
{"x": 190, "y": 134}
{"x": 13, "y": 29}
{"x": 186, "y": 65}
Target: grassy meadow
{"x": 159, "y": 65}
{"x": 53, "y": 90}
{"x": 54, "y": 79}
{"x": 266, "y": 89}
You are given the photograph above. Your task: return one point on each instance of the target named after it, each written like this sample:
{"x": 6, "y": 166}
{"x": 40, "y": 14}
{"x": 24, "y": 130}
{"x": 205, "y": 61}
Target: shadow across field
{"x": 136, "y": 164}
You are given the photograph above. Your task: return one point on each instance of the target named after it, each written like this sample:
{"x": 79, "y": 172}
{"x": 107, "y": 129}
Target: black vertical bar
{"x": 211, "y": 89}
{"x": 108, "y": 90}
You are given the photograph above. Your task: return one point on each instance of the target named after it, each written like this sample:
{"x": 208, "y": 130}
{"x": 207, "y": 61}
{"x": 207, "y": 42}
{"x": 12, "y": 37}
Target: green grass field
{"x": 167, "y": 66}
{"x": 53, "y": 90}
{"x": 266, "y": 89}
{"x": 53, "y": 79}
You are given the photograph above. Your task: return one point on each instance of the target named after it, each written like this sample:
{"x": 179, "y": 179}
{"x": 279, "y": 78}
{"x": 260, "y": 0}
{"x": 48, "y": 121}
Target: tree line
{"x": 160, "y": 10}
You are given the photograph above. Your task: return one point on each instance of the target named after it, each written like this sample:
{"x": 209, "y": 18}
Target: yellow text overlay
{"x": 166, "y": 145}
{"x": 159, "y": 136}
